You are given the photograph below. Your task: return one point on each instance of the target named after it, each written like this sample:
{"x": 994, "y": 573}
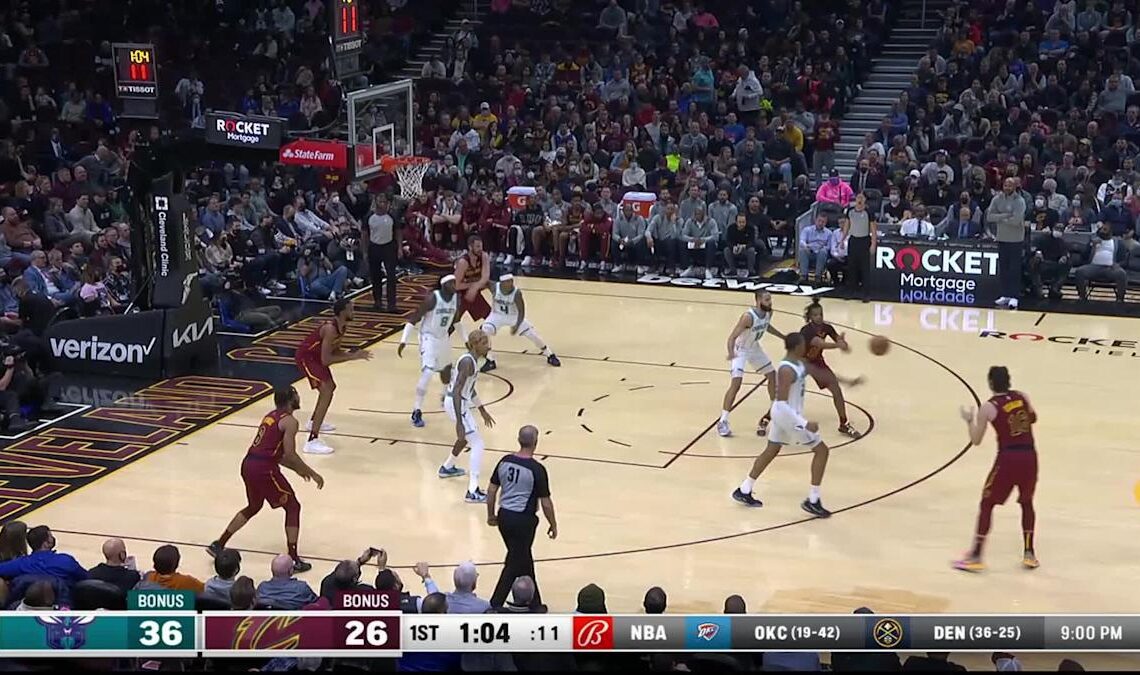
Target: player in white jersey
{"x": 461, "y": 399}
{"x": 744, "y": 351}
{"x": 509, "y": 311}
{"x": 790, "y": 428}
{"x": 433, "y": 319}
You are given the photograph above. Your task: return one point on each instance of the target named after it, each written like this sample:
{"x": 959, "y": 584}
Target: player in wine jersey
{"x": 319, "y": 350}
{"x": 472, "y": 276}
{"x": 460, "y": 400}
{"x": 509, "y": 311}
{"x": 744, "y": 351}
{"x": 788, "y": 427}
{"x": 273, "y": 447}
{"x": 820, "y": 336}
{"x": 1013, "y": 417}
{"x": 433, "y": 319}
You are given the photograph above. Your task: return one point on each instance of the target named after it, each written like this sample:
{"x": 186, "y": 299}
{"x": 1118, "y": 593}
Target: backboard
{"x": 380, "y": 122}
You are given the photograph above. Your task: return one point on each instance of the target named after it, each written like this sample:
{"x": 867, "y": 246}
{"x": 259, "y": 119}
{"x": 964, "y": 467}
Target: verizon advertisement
{"x": 308, "y": 152}
{"x": 935, "y": 273}
{"x": 234, "y": 129}
{"x": 121, "y": 344}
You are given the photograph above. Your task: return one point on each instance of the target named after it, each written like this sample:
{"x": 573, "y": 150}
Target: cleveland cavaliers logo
{"x": 266, "y": 632}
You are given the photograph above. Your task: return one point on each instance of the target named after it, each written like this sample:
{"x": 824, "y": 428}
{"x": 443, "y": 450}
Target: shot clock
{"x": 347, "y": 36}
{"x": 136, "y": 79}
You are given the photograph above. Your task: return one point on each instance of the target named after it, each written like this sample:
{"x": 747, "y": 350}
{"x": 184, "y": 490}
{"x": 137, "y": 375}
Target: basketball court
{"x": 641, "y": 480}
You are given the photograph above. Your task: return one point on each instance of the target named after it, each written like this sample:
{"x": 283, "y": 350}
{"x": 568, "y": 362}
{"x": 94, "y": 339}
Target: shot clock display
{"x": 136, "y": 70}
{"x": 347, "y": 36}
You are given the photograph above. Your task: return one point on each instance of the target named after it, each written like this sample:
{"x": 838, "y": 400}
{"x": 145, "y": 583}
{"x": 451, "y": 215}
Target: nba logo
{"x": 708, "y": 632}
{"x": 593, "y": 632}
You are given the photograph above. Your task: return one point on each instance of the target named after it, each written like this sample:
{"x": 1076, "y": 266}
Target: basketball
{"x": 880, "y": 345}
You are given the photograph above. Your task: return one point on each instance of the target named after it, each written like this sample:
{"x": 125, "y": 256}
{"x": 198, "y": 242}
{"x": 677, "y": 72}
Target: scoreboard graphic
{"x": 159, "y": 625}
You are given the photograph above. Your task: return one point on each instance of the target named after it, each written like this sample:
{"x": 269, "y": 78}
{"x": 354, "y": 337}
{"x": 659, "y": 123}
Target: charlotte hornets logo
{"x": 65, "y": 632}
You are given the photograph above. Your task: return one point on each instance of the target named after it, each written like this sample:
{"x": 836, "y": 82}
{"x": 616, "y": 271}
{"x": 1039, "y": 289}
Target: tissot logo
{"x": 96, "y": 350}
{"x": 731, "y": 284}
{"x": 937, "y": 260}
{"x": 1085, "y": 345}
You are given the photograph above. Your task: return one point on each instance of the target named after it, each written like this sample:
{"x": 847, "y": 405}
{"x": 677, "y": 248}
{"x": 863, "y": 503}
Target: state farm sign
{"x": 307, "y": 152}
{"x": 223, "y": 128}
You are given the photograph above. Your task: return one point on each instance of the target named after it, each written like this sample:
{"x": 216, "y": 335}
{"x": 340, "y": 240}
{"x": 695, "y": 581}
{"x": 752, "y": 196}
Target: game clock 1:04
{"x": 485, "y": 633}
{"x": 136, "y": 74}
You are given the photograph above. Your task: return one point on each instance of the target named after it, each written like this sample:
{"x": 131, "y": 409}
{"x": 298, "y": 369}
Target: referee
{"x": 862, "y": 237}
{"x": 525, "y": 485}
{"x": 384, "y": 247}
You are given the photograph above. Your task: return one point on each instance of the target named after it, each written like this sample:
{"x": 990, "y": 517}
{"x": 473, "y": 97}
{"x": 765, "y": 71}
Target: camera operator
{"x": 276, "y": 252}
{"x": 258, "y": 268}
{"x": 344, "y": 250}
{"x": 319, "y": 278}
{"x": 239, "y": 303}
{"x": 35, "y": 315}
{"x": 217, "y": 262}
{"x": 22, "y": 394}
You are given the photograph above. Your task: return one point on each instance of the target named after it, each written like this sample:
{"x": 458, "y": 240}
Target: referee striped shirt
{"x": 522, "y": 482}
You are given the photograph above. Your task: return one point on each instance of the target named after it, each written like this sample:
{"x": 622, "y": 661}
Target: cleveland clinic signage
{"x": 244, "y": 131}
{"x": 935, "y": 272}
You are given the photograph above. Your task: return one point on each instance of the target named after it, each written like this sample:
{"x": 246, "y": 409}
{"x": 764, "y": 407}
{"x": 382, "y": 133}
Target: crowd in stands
{"x": 724, "y": 112}
{"x": 35, "y": 577}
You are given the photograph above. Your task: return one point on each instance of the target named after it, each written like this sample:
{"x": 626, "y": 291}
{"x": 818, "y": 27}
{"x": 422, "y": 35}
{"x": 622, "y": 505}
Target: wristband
{"x": 408, "y": 328}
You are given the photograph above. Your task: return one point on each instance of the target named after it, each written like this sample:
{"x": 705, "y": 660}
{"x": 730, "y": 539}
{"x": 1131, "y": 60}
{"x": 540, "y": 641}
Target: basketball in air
{"x": 880, "y": 345}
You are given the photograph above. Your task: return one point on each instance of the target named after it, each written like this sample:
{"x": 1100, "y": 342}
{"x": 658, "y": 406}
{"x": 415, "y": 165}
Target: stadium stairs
{"x": 470, "y": 10}
{"x": 890, "y": 73}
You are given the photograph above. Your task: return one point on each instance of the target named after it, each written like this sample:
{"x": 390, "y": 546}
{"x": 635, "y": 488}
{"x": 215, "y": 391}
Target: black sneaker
{"x": 847, "y": 430}
{"x": 417, "y": 419}
{"x": 553, "y": 360}
{"x": 747, "y": 500}
{"x": 815, "y": 508}
{"x": 214, "y": 549}
{"x": 488, "y": 366}
{"x": 762, "y": 426}
{"x": 300, "y": 566}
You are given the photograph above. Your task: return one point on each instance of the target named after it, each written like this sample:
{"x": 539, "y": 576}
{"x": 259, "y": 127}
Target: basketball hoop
{"x": 409, "y": 170}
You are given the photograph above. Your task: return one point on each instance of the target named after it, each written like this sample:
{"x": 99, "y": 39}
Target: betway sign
{"x": 223, "y": 128}
{"x": 94, "y": 349}
{"x": 731, "y": 284}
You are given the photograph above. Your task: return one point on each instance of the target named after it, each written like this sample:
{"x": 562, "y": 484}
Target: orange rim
{"x": 390, "y": 163}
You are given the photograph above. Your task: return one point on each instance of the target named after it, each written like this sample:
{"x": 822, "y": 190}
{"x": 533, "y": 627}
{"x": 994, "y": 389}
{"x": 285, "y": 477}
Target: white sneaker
{"x": 1002, "y": 301}
{"x": 546, "y": 262}
{"x": 708, "y": 273}
{"x": 581, "y": 265}
{"x": 687, "y": 272}
{"x": 317, "y": 447}
{"x": 722, "y": 428}
{"x": 528, "y": 261}
{"x": 509, "y": 260}
{"x": 642, "y": 269}
{"x": 603, "y": 266}
{"x": 358, "y": 281}
{"x": 278, "y": 286}
{"x": 266, "y": 291}
{"x": 500, "y": 257}
{"x": 325, "y": 427}
{"x": 741, "y": 274}
{"x": 1013, "y": 303}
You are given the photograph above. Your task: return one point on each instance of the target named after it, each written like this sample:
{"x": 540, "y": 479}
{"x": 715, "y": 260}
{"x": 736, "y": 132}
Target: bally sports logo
{"x": 937, "y": 260}
{"x": 593, "y": 632}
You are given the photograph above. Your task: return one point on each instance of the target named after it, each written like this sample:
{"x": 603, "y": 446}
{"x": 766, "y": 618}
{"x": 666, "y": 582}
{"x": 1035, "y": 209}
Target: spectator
{"x": 43, "y": 561}
{"x": 699, "y": 237}
{"x": 39, "y": 597}
{"x": 597, "y": 226}
{"x": 835, "y": 191}
{"x": 655, "y": 600}
{"x": 227, "y": 565}
{"x": 662, "y": 237}
{"x": 61, "y": 290}
{"x": 463, "y": 599}
{"x": 166, "y": 575}
{"x": 522, "y": 599}
{"x": 939, "y": 661}
{"x": 629, "y": 240}
{"x": 591, "y": 600}
{"x": 740, "y": 240}
{"x": 243, "y": 595}
{"x": 117, "y": 568}
{"x": 837, "y": 263}
{"x": 734, "y": 604}
{"x": 346, "y": 575}
{"x": 283, "y": 590}
{"x": 1106, "y": 256}
{"x": 320, "y": 279}
{"x": 917, "y": 226}
{"x": 1050, "y": 263}
{"x": 814, "y": 246}
{"x": 13, "y": 540}
{"x": 82, "y": 221}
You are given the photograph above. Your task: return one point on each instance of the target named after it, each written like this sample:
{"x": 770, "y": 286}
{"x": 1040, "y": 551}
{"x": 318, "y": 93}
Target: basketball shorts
{"x": 787, "y": 435}
{"x": 825, "y": 370}
{"x": 754, "y": 359}
{"x": 468, "y": 417}
{"x": 1012, "y": 469}
{"x": 435, "y": 353}
{"x": 314, "y": 371}
{"x": 265, "y": 485}
{"x": 497, "y": 322}
{"x": 478, "y": 309}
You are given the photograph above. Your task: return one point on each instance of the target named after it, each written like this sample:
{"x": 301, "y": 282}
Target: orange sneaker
{"x": 969, "y": 564}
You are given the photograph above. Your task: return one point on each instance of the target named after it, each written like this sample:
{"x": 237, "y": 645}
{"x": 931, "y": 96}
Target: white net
{"x": 411, "y": 178}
